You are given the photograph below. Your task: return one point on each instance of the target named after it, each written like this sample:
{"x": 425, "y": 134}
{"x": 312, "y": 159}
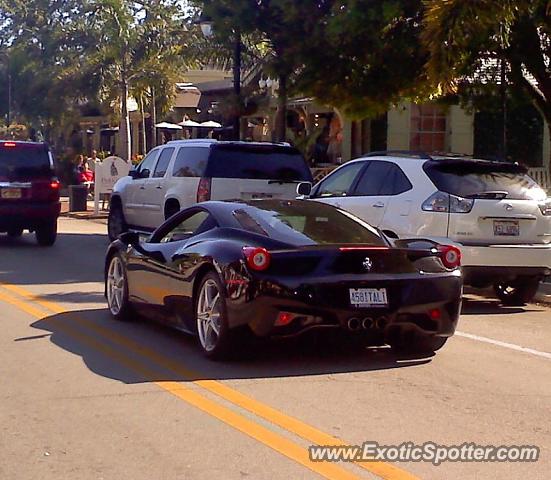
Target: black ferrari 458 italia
{"x": 280, "y": 268}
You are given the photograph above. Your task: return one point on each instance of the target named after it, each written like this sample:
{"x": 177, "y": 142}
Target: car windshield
{"x": 21, "y": 162}
{"x": 489, "y": 180}
{"x": 264, "y": 162}
{"x": 306, "y": 223}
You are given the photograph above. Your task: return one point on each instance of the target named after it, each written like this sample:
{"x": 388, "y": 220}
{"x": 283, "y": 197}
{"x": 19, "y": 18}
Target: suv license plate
{"x": 504, "y": 228}
{"x": 10, "y": 193}
{"x": 368, "y": 297}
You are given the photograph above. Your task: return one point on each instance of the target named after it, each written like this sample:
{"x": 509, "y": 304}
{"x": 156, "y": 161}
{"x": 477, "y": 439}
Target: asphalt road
{"x": 84, "y": 397}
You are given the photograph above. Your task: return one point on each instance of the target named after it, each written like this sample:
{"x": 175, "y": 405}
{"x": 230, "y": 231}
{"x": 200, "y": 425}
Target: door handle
{"x": 379, "y": 205}
{"x": 142, "y": 188}
{"x": 159, "y": 187}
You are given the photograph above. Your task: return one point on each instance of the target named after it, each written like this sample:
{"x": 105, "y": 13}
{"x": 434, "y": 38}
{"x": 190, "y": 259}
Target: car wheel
{"x": 46, "y": 234}
{"x": 116, "y": 287}
{"x": 518, "y": 292}
{"x": 116, "y": 223}
{"x": 15, "y": 232}
{"x": 215, "y": 337}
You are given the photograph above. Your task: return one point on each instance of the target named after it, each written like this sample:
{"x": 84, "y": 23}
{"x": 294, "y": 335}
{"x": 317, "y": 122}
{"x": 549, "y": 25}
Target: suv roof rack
{"x": 194, "y": 140}
{"x": 400, "y": 153}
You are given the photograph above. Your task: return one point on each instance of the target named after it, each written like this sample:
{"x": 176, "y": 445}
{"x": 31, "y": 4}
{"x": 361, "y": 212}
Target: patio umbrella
{"x": 211, "y": 124}
{"x": 189, "y": 123}
{"x": 168, "y": 126}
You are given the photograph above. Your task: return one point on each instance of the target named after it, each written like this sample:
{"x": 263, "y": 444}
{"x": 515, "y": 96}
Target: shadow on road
{"x": 169, "y": 355}
{"x": 75, "y": 258}
{"x": 478, "y": 306}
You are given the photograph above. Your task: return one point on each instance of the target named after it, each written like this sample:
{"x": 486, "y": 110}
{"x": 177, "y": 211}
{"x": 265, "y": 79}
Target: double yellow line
{"x": 28, "y": 302}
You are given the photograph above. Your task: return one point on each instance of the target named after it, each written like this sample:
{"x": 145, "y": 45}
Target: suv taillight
{"x": 203, "y": 190}
{"x": 446, "y": 203}
{"x": 46, "y": 189}
{"x": 545, "y": 207}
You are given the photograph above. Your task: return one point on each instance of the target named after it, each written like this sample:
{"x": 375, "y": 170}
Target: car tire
{"x": 518, "y": 292}
{"x": 46, "y": 234}
{"x": 171, "y": 209}
{"x": 15, "y": 232}
{"x": 211, "y": 321}
{"x": 116, "y": 290}
{"x": 116, "y": 223}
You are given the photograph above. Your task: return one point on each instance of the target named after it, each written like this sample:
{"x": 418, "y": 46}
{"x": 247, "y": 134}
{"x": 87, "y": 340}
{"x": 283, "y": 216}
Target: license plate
{"x": 506, "y": 228}
{"x": 10, "y": 193}
{"x": 255, "y": 195}
{"x": 368, "y": 297}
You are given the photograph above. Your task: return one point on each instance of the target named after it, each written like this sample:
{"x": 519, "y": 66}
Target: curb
{"x": 85, "y": 215}
{"x": 544, "y": 293}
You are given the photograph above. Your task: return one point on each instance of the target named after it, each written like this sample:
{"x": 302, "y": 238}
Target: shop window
{"x": 428, "y": 128}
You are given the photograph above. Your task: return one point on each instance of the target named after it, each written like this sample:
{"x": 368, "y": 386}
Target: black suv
{"x": 29, "y": 191}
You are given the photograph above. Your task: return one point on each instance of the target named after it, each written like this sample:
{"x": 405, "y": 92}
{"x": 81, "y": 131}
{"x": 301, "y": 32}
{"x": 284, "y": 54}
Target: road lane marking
{"x": 386, "y": 471}
{"x": 510, "y": 346}
{"x": 254, "y": 430}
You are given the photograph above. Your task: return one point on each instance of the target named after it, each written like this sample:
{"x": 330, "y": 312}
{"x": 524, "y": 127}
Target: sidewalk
{"x": 88, "y": 214}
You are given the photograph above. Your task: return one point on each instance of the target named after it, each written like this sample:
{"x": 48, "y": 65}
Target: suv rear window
{"x": 270, "y": 162}
{"x": 22, "y": 162}
{"x": 478, "y": 179}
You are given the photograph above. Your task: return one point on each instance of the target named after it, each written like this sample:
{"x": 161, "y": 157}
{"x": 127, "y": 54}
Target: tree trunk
{"x": 153, "y": 118}
{"x": 125, "y": 149}
{"x": 281, "y": 115}
{"x": 144, "y": 132}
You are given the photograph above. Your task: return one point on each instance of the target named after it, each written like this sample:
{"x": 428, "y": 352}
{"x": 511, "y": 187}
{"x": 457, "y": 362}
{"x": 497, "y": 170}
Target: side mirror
{"x": 134, "y": 174}
{"x": 130, "y": 238}
{"x": 304, "y": 189}
{"x": 145, "y": 173}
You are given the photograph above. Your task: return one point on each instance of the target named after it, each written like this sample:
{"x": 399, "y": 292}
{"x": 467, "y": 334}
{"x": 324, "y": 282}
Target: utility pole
{"x": 8, "y": 118}
{"x": 237, "y": 83}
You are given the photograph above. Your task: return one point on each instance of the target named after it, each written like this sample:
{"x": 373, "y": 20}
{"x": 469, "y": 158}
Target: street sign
{"x": 107, "y": 173}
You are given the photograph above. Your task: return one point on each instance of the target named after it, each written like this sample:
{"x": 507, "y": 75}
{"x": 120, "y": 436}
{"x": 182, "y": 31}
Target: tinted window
{"x": 305, "y": 223}
{"x": 162, "y": 164}
{"x": 148, "y": 163}
{"x": 340, "y": 182}
{"x": 24, "y": 162}
{"x": 479, "y": 179}
{"x": 195, "y": 224}
{"x": 382, "y": 178}
{"x": 191, "y": 162}
{"x": 258, "y": 162}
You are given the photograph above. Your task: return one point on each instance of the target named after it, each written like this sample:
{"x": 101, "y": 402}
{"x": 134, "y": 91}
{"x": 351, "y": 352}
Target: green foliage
{"x": 467, "y": 38}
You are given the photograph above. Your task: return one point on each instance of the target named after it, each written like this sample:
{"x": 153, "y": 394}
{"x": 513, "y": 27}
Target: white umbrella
{"x": 168, "y": 126}
{"x": 189, "y": 123}
{"x": 211, "y": 124}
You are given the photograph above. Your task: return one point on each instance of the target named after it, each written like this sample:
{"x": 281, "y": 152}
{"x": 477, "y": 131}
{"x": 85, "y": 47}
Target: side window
{"x": 377, "y": 175}
{"x": 191, "y": 162}
{"x": 148, "y": 163}
{"x": 401, "y": 181}
{"x": 162, "y": 164}
{"x": 338, "y": 184}
{"x": 195, "y": 224}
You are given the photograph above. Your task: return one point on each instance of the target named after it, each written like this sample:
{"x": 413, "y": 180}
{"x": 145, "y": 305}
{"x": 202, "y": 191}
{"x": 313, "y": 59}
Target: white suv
{"x": 494, "y": 212}
{"x": 183, "y": 172}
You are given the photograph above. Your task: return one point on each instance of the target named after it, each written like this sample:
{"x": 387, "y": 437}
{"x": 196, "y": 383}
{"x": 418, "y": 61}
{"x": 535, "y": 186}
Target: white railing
{"x": 541, "y": 175}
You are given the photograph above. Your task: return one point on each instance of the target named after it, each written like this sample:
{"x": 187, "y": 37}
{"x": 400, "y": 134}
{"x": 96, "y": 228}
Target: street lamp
{"x": 208, "y": 32}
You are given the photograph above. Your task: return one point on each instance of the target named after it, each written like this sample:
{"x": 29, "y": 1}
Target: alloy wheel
{"x": 209, "y": 315}
{"x": 115, "y": 285}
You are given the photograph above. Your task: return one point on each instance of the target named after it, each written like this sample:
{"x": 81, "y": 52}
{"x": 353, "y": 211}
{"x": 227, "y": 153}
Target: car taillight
{"x": 546, "y": 207}
{"x": 258, "y": 258}
{"x": 446, "y": 203}
{"x": 203, "y": 190}
{"x": 9, "y": 144}
{"x": 54, "y": 184}
{"x": 450, "y": 256}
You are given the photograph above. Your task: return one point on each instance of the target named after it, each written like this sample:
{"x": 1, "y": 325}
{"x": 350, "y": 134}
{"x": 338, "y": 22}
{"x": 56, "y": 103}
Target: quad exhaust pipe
{"x": 354, "y": 324}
